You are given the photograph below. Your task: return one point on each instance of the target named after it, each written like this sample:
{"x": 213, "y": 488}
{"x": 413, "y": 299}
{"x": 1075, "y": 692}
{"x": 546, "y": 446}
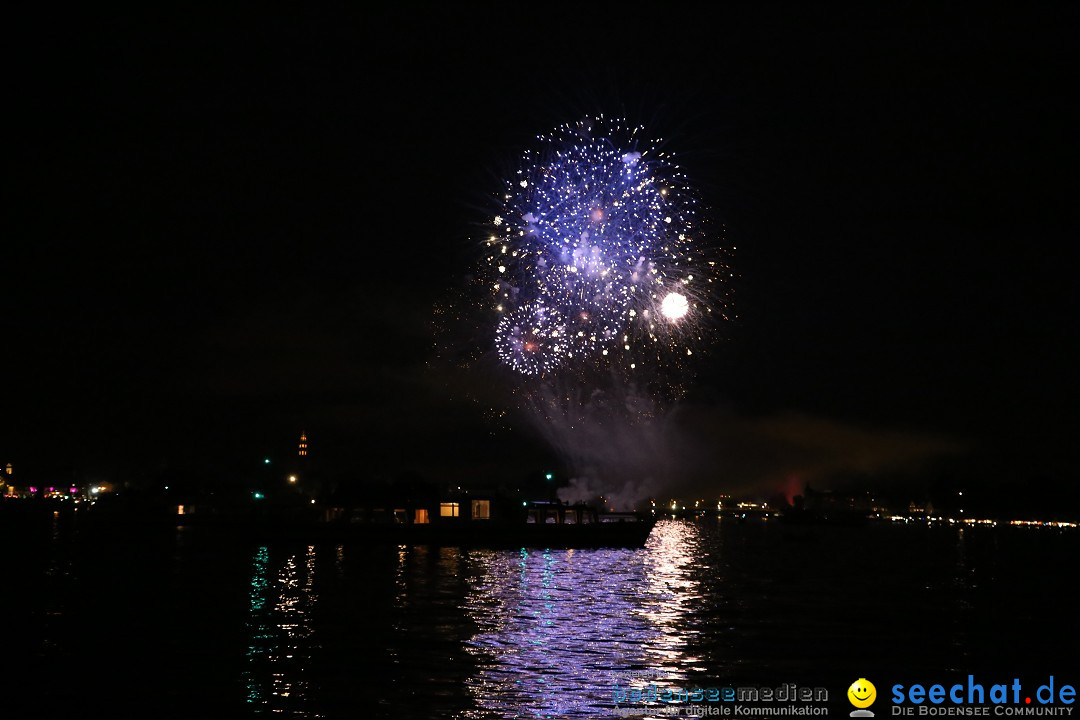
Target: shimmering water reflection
{"x": 194, "y": 625}
{"x": 554, "y": 625}
{"x": 280, "y": 632}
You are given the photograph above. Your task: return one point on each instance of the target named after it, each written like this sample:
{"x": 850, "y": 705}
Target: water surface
{"x": 177, "y": 623}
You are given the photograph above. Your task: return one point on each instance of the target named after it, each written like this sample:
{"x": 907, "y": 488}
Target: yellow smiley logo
{"x": 862, "y": 693}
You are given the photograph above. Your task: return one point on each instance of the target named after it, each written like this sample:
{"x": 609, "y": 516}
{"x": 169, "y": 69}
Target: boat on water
{"x": 541, "y": 525}
{"x": 477, "y": 522}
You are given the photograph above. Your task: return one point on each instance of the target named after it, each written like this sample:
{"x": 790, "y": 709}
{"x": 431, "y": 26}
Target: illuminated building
{"x": 302, "y": 452}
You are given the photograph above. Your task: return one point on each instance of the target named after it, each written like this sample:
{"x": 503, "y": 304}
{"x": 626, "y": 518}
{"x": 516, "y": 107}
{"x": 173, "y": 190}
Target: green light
{"x": 549, "y": 476}
{"x": 266, "y": 461}
{"x": 524, "y": 503}
{"x": 258, "y": 495}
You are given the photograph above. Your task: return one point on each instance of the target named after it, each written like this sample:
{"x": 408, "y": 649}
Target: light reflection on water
{"x": 673, "y": 560}
{"x": 354, "y": 630}
{"x": 280, "y": 632}
{"x": 553, "y": 626}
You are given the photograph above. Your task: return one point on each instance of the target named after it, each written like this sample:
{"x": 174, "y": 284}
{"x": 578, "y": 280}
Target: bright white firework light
{"x": 674, "y": 306}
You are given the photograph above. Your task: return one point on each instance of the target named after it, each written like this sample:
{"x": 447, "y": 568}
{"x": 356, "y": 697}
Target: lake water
{"x": 179, "y": 624}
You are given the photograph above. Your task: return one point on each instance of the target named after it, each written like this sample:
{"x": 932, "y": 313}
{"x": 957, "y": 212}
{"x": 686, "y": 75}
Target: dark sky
{"x": 224, "y": 229}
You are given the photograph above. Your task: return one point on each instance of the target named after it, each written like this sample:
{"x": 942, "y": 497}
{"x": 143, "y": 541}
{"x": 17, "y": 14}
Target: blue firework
{"x": 594, "y": 256}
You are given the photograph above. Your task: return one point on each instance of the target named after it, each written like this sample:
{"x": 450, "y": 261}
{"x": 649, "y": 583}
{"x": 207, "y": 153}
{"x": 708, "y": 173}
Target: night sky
{"x": 225, "y": 229}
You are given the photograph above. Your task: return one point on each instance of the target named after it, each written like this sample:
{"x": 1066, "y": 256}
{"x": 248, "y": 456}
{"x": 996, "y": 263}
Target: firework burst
{"x": 597, "y": 258}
